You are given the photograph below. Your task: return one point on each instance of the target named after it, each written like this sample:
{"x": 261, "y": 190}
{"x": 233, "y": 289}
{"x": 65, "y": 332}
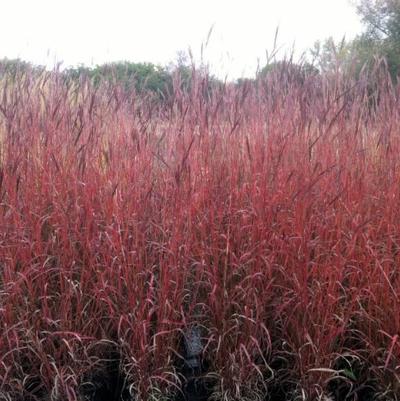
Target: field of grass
{"x": 263, "y": 216}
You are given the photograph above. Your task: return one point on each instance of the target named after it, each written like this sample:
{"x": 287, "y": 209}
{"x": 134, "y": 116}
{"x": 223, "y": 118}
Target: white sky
{"x": 93, "y": 32}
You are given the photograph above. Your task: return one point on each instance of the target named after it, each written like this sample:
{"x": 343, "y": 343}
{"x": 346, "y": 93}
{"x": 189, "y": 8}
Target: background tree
{"x": 14, "y": 67}
{"x": 382, "y": 35}
{"x": 141, "y": 76}
{"x": 380, "y": 39}
{"x": 288, "y": 69}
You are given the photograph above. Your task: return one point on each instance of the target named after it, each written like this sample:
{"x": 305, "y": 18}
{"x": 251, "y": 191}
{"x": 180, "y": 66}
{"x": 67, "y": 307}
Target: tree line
{"x": 380, "y": 40}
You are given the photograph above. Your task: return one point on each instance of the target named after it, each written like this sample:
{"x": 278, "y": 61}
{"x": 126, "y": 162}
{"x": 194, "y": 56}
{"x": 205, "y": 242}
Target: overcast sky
{"x": 94, "y": 32}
